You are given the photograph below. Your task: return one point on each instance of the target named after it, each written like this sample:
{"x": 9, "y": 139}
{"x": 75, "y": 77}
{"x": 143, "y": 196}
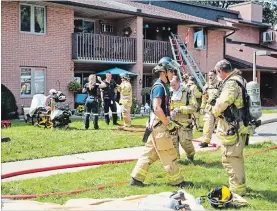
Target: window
{"x": 199, "y": 38}
{"x": 32, "y": 81}
{"x": 83, "y": 26}
{"x": 106, "y": 27}
{"x": 32, "y": 19}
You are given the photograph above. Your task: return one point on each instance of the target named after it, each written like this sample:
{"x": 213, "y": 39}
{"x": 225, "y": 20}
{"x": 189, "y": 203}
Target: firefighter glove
{"x": 172, "y": 128}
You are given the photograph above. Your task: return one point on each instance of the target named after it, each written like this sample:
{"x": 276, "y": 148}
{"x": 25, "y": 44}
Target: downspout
{"x": 224, "y": 38}
{"x": 224, "y": 42}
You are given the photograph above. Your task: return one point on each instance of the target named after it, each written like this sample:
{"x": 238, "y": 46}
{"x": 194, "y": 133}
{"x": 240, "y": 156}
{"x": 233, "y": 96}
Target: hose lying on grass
{"x": 100, "y": 187}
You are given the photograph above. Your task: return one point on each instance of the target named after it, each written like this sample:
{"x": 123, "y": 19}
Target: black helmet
{"x": 165, "y": 64}
{"x": 220, "y": 196}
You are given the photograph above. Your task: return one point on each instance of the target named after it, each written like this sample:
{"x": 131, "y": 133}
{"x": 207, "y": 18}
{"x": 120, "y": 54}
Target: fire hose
{"x": 100, "y": 187}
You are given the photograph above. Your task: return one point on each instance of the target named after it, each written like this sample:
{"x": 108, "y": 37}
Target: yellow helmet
{"x": 220, "y": 196}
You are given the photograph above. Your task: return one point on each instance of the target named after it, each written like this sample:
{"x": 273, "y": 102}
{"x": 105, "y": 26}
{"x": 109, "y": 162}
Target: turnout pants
{"x": 108, "y": 103}
{"x": 159, "y": 146}
{"x": 126, "y": 113}
{"x": 209, "y": 123}
{"x": 185, "y": 139}
{"x": 233, "y": 162}
{"x": 91, "y": 108}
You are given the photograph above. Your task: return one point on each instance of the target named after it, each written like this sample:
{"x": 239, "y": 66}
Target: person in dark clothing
{"x": 92, "y": 100}
{"x": 108, "y": 97}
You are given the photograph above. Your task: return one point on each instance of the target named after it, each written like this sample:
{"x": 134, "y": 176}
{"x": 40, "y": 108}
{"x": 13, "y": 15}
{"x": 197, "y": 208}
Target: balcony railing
{"x": 154, "y": 50}
{"x": 98, "y": 47}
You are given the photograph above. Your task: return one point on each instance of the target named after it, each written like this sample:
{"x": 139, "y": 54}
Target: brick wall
{"x": 205, "y": 59}
{"x": 246, "y": 34}
{"x": 125, "y": 23}
{"x": 138, "y": 67}
{"x": 215, "y": 48}
{"x": 52, "y": 50}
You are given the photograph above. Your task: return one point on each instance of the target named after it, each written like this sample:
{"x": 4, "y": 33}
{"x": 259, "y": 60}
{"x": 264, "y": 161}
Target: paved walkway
{"x": 263, "y": 133}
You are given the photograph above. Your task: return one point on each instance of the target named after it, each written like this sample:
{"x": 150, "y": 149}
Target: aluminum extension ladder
{"x": 183, "y": 57}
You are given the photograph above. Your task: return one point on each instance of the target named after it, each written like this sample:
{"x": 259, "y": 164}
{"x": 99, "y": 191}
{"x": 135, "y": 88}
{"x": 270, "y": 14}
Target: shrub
{"x": 8, "y": 104}
{"x": 146, "y": 91}
{"x": 135, "y": 109}
{"x": 74, "y": 86}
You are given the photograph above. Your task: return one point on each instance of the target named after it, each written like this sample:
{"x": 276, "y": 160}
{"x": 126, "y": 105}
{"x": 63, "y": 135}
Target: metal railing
{"x": 154, "y": 50}
{"x": 98, "y": 47}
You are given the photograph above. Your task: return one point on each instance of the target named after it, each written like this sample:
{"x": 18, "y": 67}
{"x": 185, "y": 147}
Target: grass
{"x": 269, "y": 111}
{"x": 260, "y": 171}
{"x": 29, "y": 142}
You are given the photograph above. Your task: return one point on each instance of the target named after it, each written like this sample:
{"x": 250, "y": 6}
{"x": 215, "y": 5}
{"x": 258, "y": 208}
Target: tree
{"x": 222, "y": 4}
{"x": 269, "y": 10}
{"x": 269, "y": 13}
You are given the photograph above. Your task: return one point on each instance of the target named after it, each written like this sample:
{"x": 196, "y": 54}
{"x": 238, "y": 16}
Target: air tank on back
{"x": 253, "y": 90}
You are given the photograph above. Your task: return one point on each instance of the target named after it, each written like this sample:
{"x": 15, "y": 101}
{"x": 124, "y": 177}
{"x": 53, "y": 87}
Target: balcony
{"x": 154, "y": 50}
{"x": 98, "y": 48}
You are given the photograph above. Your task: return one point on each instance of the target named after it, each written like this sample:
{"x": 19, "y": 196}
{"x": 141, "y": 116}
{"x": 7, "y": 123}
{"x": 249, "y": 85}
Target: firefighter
{"x": 182, "y": 106}
{"x": 108, "y": 97}
{"x": 91, "y": 103}
{"x": 159, "y": 144}
{"x": 197, "y": 94}
{"x": 230, "y": 129}
{"x": 50, "y": 99}
{"x": 210, "y": 94}
{"x": 125, "y": 89}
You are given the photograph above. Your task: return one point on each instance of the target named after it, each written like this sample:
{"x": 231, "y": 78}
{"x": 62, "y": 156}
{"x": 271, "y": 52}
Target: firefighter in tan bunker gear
{"x": 210, "y": 94}
{"x": 233, "y": 134}
{"x": 125, "y": 89}
{"x": 182, "y": 105}
{"x": 197, "y": 94}
{"x": 159, "y": 144}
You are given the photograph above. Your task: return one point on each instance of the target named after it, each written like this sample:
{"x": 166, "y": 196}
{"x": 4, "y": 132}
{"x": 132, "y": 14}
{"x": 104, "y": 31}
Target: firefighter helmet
{"x": 52, "y": 91}
{"x": 220, "y": 196}
{"x": 125, "y": 75}
{"x": 165, "y": 64}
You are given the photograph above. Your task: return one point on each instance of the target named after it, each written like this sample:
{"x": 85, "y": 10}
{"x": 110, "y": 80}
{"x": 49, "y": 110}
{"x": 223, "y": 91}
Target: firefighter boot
{"x": 203, "y": 145}
{"x": 135, "y": 182}
{"x": 190, "y": 158}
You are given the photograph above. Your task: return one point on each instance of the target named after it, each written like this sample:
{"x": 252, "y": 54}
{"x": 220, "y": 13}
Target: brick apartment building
{"x": 250, "y": 35}
{"x": 47, "y": 44}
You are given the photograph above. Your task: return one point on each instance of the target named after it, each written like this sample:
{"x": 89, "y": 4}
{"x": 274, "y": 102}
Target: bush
{"x": 74, "y": 86}
{"x": 135, "y": 109}
{"x": 146, "y": 91}
{"x": 8, "y": 104}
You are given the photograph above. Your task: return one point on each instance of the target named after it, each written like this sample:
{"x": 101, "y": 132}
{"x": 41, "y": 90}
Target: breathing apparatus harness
{"x": 165, "y": 64}
{"x": 232, "y": 114}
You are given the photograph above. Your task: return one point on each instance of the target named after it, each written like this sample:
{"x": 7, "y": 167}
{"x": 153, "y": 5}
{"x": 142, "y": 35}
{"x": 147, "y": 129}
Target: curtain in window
{"x": 39, "y": 19}
{"x": 199, "y": 38}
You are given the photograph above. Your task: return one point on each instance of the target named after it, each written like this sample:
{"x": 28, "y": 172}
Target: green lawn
{"x": 29, "y": 142}
{"x": 260, "y": 171}
{"x": 269, "y": 111}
